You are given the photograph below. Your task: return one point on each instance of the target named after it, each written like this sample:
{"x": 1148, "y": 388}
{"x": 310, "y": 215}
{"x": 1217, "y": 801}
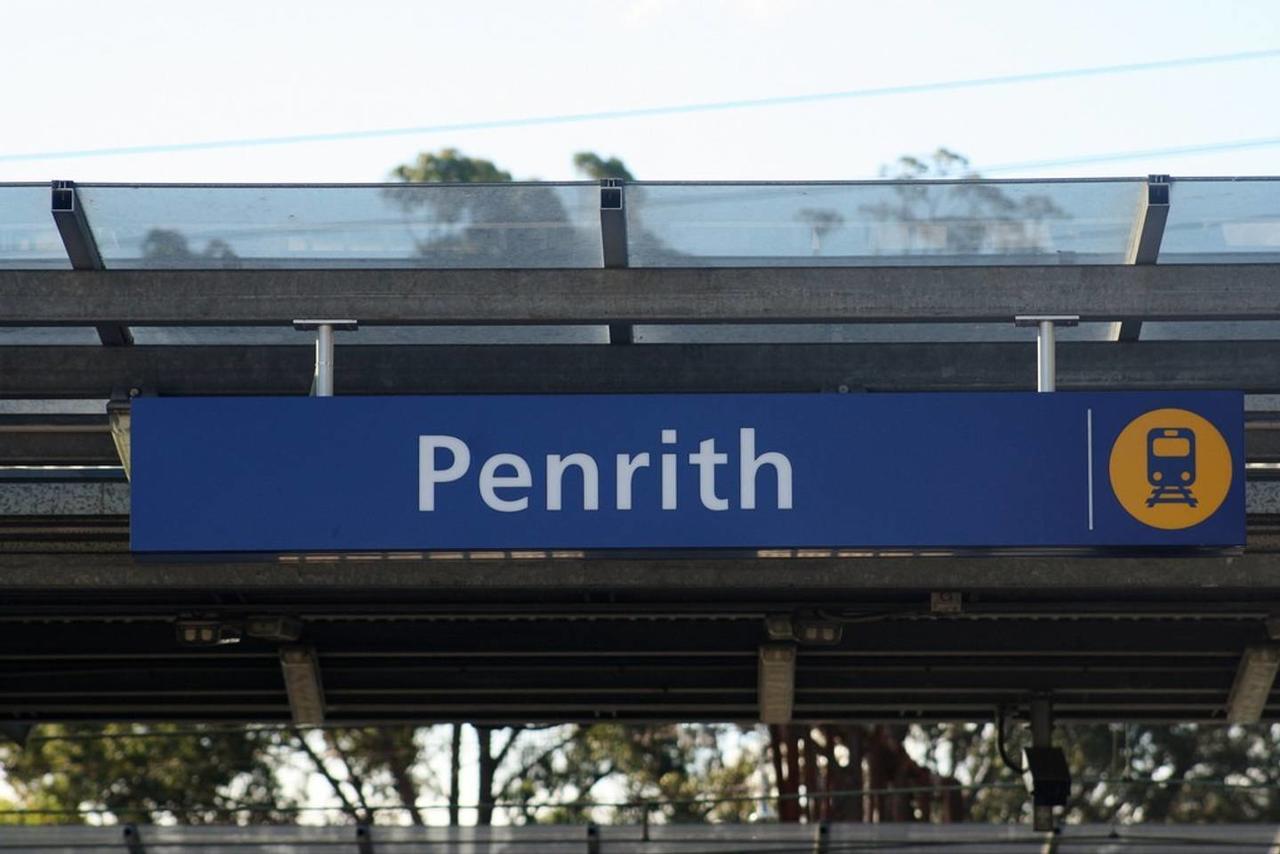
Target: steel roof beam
{"x": 82, "y": 249}
{"x": 40, "y": 372}
{"x": 1144, "y": 243}
{"x": 613, "y": 240}
{"x": 641, "y": 295}
{"x": 1252, "y": 574}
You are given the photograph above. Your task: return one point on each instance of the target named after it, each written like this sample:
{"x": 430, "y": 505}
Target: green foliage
{"x": 678, "y": 769}
{"x": 144, "y": 774}
{"x": 449, "y": 165}
{"x": 594, "y": 166}
{"x": 369, "y": 767}
{"x": 172, "y": 249}
{"x": 942, "y": 163}
{"x": 1133, "y": 773}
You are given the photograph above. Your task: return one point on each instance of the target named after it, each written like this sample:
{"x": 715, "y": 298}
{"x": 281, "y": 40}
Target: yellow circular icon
{"x": 1170, "y": 469}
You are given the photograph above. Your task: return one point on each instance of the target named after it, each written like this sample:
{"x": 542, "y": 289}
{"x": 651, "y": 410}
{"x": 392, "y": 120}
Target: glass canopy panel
{"x": 388, "y": 335}
{"x": 1222, "y": 221}
{"x": 399, "y": 225}
{"x": 881, "y": 223}
{"x": 1210, "y": 330}
{"x": 857, "y": 333}
{"x": 28, "y": 238}
{"x": 48, "y": 335}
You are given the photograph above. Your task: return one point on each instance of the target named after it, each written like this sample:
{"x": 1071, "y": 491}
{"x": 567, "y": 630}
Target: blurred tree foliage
{"x": 592, "y": 165}
{"x": 450, "y": 166}
{"x": 148, "y": 774}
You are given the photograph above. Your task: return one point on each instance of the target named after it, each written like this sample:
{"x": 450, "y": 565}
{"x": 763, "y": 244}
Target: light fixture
{"x": 275, "y": 628}
{"x": 302, "y": 684}
{"x": 777, "y": 682}
{"x": 206, "y": 632}
{"x": 1252, "y": 686}
{"x": 119, "y": 418}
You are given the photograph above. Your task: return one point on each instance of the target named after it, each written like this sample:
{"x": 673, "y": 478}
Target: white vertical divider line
{"x": 1088, "y": 431}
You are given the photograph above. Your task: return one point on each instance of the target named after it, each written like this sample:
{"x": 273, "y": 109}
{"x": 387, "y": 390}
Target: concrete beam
{"x": 641, "y": 295}
{"x": 56, "y": 439}
{"x": 1255, "y": 574}
{"x": 95, "y": 372}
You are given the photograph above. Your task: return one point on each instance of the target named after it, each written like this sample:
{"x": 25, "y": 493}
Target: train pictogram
{"x": 1171, "y": 466}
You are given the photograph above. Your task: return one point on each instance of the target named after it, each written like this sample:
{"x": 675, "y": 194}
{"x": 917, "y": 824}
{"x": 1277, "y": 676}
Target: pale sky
{"x": 81, "y": 74}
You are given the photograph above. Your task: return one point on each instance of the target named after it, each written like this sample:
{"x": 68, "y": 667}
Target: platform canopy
{"x": 111, "y": 291}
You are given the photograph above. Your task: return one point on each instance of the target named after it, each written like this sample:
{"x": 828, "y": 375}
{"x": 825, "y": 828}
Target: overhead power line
{"x": 646, "y": 112}
{"x": 1144, "y": 154}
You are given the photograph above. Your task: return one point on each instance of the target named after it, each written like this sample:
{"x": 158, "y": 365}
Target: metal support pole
{"x": 1046, "y": 359}
{"x": 322, "y": 383}
{"x": 324, "y": 360}
{"x": 1046, "y": 346}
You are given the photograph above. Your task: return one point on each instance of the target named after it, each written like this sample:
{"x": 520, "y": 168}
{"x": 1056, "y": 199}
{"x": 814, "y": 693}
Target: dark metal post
{"x": 613, "y": 239}
{"x": 822, "y": 842}
{"x": 82, "y": 249}
{"x": 1041, "y": 737}
{"x": 133, "y": 839}
{"x": 364, "y": 839}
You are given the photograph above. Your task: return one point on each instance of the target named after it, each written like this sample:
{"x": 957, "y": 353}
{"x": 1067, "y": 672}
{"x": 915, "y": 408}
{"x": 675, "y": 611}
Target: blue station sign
{"x": 736, "y": 471}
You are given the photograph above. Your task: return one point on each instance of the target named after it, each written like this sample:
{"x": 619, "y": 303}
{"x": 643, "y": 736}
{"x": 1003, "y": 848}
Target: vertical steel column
{"x": 322, "y": 382}
{"x": 1046, "y": 345}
